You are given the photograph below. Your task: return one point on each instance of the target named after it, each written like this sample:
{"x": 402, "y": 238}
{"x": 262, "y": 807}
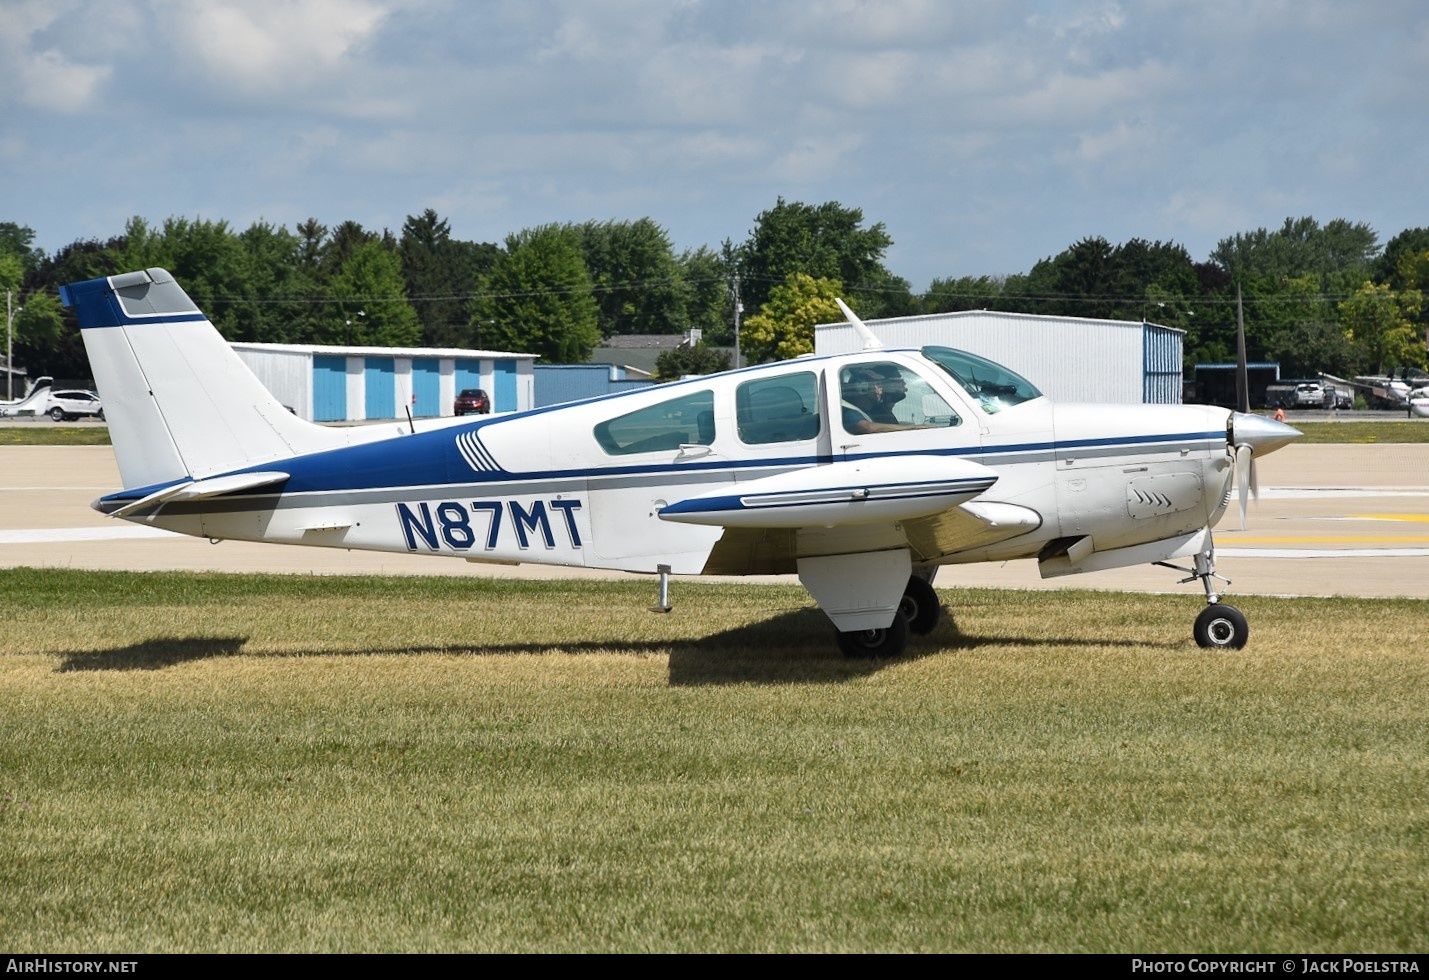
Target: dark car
{"x": 472, "y": 401}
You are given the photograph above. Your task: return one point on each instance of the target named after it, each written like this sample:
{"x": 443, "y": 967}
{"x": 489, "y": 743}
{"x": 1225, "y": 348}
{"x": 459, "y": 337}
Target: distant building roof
{"x": 659, "y": 341}
{"x": 381, "y": 351}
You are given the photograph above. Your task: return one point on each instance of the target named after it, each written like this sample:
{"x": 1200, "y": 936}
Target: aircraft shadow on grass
{"x": 783, "y": 649}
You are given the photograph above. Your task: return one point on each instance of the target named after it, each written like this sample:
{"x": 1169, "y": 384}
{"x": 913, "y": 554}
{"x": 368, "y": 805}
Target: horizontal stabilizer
{"x": 200, "y": 490}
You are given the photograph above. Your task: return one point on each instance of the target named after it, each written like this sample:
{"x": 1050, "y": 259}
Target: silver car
{"x": 74, "y": 403}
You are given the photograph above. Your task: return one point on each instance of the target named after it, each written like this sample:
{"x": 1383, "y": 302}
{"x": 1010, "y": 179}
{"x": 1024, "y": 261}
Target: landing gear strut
{"x": 1219, "y": 624}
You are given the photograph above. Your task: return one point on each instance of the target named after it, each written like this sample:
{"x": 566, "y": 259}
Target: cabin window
{"x": 994, "y": 386}
{"x": 684, "y": 421}
{"x": 881, "y": 396}
{"x": 780, "y": 409}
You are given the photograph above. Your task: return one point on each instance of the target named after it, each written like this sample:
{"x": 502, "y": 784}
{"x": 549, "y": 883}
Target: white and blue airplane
{"x": 860, "y": 473}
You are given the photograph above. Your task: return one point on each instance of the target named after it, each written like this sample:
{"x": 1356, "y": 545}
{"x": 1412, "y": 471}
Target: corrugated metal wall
{"x": 1161, "y": 365}
{"x": 1070, "y": 359}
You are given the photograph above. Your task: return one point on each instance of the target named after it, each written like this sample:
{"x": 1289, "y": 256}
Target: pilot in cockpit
{"x": 868, "y": 397}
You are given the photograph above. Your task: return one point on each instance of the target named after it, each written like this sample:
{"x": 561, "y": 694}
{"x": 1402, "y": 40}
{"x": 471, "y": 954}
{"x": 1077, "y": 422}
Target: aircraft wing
{"x": 923, "y": 503}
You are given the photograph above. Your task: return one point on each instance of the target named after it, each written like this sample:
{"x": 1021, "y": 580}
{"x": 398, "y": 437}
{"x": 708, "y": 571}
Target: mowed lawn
{"x": 226, "y": 763}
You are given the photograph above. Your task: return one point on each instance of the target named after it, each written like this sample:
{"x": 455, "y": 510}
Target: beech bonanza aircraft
{"x": 861, "y": 473}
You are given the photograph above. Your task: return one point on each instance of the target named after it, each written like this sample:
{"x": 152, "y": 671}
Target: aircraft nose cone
{"x": 1262, "y": 435}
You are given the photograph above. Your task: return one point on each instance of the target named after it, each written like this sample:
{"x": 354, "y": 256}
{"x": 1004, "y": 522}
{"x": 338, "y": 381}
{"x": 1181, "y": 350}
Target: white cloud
{"x": 269, "y": 47}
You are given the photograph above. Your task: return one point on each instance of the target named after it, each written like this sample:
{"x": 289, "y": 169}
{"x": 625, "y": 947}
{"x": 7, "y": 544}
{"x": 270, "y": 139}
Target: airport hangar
{"x": 350, "y": 384}
{"x": 1070, "y": 359}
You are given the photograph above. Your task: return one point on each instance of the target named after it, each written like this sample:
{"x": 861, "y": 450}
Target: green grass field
{"x": 234, "y": 763}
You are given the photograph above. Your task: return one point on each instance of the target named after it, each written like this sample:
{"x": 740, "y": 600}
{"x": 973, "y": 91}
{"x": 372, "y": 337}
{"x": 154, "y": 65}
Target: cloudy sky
{"x": 984, "y": 134}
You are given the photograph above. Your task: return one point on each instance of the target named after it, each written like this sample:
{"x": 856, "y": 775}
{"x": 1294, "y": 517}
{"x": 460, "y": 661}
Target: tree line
{"x": 1316, "y": 298}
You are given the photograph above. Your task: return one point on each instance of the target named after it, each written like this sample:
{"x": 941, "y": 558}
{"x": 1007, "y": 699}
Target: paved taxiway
{"x": 1331, "y": 520}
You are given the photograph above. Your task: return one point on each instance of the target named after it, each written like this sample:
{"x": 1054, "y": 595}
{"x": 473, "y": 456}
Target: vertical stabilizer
{"x": 179, "y": 402}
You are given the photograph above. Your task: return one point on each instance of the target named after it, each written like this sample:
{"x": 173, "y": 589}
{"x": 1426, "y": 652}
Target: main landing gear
{"x": 1218, "y": 625}
{"x": 918, "y": 613}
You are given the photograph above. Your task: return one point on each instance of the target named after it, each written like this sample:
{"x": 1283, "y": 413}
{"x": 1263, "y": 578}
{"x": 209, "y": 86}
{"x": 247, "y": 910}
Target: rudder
{"x": 179, "y": 402}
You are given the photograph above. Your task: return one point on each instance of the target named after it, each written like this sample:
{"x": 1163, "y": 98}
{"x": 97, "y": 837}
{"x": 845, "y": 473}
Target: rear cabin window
{"x": 782, "y": 409}
{"x": 684, "y": 421}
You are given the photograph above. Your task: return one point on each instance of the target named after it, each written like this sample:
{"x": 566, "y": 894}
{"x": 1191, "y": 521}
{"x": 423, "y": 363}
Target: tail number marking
{"x": 455, "y": 523}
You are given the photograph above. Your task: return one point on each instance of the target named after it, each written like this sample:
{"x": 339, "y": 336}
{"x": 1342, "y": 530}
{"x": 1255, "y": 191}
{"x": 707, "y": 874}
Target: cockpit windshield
{"x": 994, "y": 386}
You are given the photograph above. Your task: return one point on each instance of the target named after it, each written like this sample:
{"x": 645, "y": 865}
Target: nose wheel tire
{"x": 919, "y": 606}
{"x": 876, "y": 644}
{"x": 1220, "y": 625}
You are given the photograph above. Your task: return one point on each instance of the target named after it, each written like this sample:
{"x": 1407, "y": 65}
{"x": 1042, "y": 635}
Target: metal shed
{"x": 1070, "y": 358}
{"x": 336, "y": 384}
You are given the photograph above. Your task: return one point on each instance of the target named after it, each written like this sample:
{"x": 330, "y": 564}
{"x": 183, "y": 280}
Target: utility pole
{"x": 9, "y": 350}
{"x": 738, "y": 309}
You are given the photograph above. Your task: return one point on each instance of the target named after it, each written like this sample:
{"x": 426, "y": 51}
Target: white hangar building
{"x": 1069, "y": 358}
{"x": 338, "y": 384}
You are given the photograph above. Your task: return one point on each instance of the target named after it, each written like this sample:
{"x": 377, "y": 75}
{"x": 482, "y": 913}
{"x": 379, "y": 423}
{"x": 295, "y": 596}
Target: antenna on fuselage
{"x": 870, "y": 342}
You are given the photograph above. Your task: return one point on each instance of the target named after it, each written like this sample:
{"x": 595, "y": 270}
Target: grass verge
{"x": 238, "y": 763}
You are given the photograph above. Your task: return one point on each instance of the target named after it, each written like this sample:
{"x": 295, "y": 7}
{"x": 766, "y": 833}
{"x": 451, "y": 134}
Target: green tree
{"x": 963, "y": 293}
{"x": 280, "y": 301}
{"x": 441, "y": 276}
{"x": 709, "y": 299}
{"x": 18, "y": 240}
{"x": 1411, "y": 241}
{"x": 1298, "y": 247}
{"x": 697, "y": 359}
{"x": 39, "y": 320}
{"x": 635, "y": 278}
{"x": 369, "y": 299}
{"x": 538, "y": 297}
{"x": 1302, "y": 331}
{"x": 823, "y": 242}
{"x": 1379, "y": 321}
{"x": 784, "y": 325}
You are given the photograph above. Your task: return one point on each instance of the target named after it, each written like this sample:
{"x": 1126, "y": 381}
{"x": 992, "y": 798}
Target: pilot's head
{"x": 864, "y": 387}
{"x": 895, "y": 389}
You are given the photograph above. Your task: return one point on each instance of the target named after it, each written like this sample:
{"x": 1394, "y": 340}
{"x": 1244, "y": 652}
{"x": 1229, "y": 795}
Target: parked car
{"x": 472, "y": 401}
{"x": 74, "y": 404}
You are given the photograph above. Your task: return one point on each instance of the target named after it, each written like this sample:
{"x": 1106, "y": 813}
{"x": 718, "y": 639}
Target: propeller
{"x": 1248, "y": 435}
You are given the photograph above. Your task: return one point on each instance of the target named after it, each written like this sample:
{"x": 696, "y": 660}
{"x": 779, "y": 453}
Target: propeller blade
{"x": 1244, "y": 470}
{"x": 1242, "y": 371}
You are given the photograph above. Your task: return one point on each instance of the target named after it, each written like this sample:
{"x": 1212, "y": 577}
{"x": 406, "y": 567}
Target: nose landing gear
{"x": 1219, "y": 625}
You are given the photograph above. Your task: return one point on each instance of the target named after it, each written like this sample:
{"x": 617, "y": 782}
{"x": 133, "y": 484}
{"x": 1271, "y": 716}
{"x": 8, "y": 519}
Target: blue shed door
{"x": 503, "y": 399}
{"x": 427, "y": 386}
{"x": 381, "y": 376}
{"x": 468, "y": 374}
{"x": 329, "y": 388}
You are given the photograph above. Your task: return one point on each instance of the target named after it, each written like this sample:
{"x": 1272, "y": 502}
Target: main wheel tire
{"x": 920, "y": 606}
{"x": 876, "y": 644}
{"x": 1220, "y": 625}
{"x": 57, "y": 414}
